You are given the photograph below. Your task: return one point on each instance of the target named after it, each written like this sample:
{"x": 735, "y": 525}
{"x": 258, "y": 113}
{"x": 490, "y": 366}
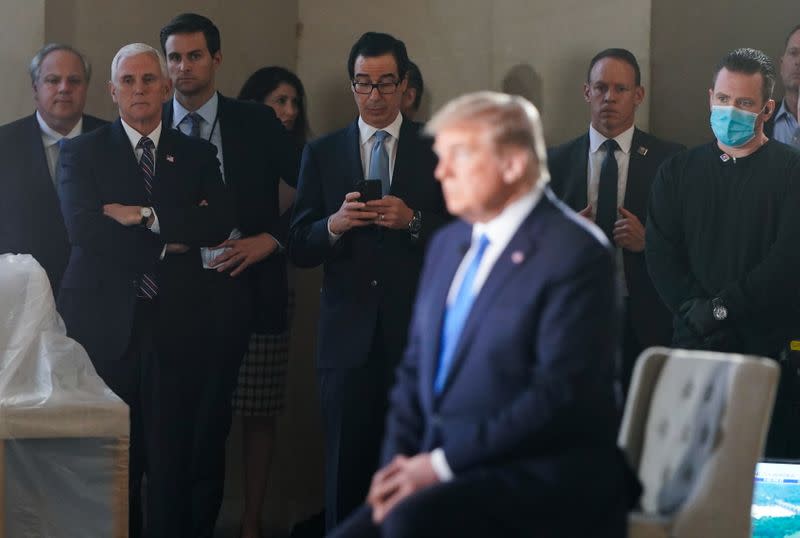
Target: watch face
{"x": 146, "y": 212}
{"x": 720, "y": 313}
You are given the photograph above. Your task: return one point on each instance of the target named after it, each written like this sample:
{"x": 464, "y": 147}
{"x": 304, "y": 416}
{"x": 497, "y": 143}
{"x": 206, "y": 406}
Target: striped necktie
{"x": 148, "y": 288}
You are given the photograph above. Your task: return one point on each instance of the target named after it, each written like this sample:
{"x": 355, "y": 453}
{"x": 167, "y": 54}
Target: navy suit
{"x": 143, "y": 349}
{"x": 30, "y": 216}
{"x": 257, "y": 153}
{"x": 527, "y": 417}
{"x": 651, "y": 321}
{"x": 370, "y": 279}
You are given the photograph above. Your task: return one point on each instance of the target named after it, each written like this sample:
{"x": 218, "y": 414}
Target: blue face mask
{"x": 732, "y": 126}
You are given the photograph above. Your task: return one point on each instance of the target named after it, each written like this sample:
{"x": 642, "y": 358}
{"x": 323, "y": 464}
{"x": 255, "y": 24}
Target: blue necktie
{"x": 194, "y": 120}
{"x": 456, "y": 315}
{"x": 379, "y": 161}
{"x": 148, "y": 288}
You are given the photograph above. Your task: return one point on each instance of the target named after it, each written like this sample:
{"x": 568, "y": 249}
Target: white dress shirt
{"x": 366, "y": 135}
{"x": 500, "y": 230}
{"x": 51, "y": 141}
{"x": 596, "y": 155}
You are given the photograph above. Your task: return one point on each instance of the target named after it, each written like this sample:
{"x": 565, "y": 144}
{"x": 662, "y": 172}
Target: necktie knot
{"x": 380, "y": 136}
{"x": 194, "y": 121}
{"x": 610, "y": 145}
{"x": 145, "y": 143}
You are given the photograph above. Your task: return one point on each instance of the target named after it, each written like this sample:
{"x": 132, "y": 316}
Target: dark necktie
{"x": 455, "y": 316}
{"x": 379, "y": 161}
{"x": 194, "y": 120}
{"x": 148, "y": 288}
{"x": 606, "y": 213}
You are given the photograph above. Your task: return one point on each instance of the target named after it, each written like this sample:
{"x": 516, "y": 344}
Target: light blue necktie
{"x": 456, "y": 315}
{"x": 379, "y": 161}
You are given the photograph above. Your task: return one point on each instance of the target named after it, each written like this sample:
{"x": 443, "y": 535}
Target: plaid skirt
{"x": 261, "y": 389}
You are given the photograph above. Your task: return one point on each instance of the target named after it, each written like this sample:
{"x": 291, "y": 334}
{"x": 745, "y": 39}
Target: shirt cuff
{"x": 281, "y": 248}
{"x": 440, "y": 466}
{"x": 155, "y": 228}
{"x": 163, "y": 252}
{"x": 332, "y": 237}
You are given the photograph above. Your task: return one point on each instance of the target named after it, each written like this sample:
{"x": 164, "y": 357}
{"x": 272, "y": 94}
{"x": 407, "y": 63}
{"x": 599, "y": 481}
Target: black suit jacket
{"x": 257, "y": 153}
{"x": 98, "y": 291}
{"x": 30, "y": 216}
{"x": 369, "y": 273}
{"x": 568, "y": 166}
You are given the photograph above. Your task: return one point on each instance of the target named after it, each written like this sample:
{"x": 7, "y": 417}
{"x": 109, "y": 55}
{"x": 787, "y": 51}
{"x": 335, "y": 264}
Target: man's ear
{"x": 515, "y": 164}
{"x": 112, "y": 90}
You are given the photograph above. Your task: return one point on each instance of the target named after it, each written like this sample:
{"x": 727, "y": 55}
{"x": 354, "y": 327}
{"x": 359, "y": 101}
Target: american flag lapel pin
{"x": 517, "y": 257}
{"x": 170, "y": 159}
{"x": 642, "y": 151}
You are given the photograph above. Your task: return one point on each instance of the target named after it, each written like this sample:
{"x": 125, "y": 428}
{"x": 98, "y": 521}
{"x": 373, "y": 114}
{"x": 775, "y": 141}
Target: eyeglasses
{"x": 384, "y": 88}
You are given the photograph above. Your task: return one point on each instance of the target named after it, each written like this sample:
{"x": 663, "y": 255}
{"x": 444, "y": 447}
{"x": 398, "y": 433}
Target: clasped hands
{"x": 389, "y": 212}
{"x": 402, "y": 477}
{"x": 710, "y": 333}
{"x": 628, "y": 230}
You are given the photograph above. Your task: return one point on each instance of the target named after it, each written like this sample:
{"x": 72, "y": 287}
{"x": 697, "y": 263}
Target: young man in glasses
{"x": 372, "y": 252}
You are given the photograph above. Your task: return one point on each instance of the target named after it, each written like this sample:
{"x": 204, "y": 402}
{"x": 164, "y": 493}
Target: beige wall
{"x": 254, "y": 34}
{"x": 539, "y": 49}
{"x": 689, "y": 38}
{"x": 21, "y": 35}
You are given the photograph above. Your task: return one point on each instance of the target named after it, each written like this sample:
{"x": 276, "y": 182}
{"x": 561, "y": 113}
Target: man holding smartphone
{"x": 372, "y": 252}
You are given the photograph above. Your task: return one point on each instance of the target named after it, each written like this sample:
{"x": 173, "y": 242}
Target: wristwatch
{"x": 718, "y": 309}
{"x": 416, "y": 223}
{"x": 145, "y": 213}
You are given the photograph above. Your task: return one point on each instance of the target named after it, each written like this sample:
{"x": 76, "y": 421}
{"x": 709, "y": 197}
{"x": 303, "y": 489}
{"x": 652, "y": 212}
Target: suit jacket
{"x": 568, "y": 166}
{"x": 98, "y": 292}
{"x": 257, "y": 154}
{"x": 369, "y": 273}
{"x": 30, "y": 216}
{"x": 531, "y": 383}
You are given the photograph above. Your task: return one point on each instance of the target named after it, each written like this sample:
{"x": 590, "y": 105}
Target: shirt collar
{"x": 500, "y": 229}
{"x": 50, "y": 136}
{"x": 782, "y": 110}
{"x": 208, "y": 111}
{"x": 134, "y": 136}
{"x": 366, "y": 131}
{"x": 624, "y": 139}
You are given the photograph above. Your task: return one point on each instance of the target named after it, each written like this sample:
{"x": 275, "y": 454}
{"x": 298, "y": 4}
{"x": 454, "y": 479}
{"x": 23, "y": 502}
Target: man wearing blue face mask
{"x": 723, "y": 236}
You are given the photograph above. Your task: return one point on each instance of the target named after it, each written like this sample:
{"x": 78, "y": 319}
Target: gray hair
{"x": 35, "y": 68}
{"x": 508, "y": 119}
{"x": 135, "y": 49}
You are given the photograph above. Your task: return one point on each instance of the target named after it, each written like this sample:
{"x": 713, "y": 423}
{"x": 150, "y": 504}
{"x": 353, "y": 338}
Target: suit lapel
{"x": 355, "y": 170}
{"x": 436, "y": 305}
{"x": 401, "y": 160}
{"x": 516, "y": 255}
{"x": 231, "y": 145}
{"x": 635, "y": 188}
{"x": 579, "y": 172}
{"x": 121, "y": 157}
{"x": 40, "y": 172}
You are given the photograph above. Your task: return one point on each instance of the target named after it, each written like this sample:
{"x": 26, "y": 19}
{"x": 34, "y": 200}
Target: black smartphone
{"x": 370, "y": 189}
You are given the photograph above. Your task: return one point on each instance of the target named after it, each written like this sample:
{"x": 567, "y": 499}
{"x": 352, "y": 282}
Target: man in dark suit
{"x": 134, "y": 292}
{"x": 30, "y": 218}
{"x": 504, "y": 403}
{"x": 250, "y": 286}
{"x": 614, "y": 192}
{"x": 372, "y": 253}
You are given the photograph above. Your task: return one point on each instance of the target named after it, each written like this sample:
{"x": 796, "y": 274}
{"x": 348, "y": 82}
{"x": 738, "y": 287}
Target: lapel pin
{"x": 725, "y": 157}
{"x": 642, "y": 151}
{"x": 517, "y": 257}
{"x": 170, "y": 159}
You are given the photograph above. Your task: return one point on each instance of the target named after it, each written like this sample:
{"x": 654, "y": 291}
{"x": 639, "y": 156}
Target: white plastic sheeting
{"x": 63, "y": 432}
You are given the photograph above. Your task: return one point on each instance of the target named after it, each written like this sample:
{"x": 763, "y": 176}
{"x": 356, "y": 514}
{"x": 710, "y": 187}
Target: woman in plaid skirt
{"x": 261, "y": 391}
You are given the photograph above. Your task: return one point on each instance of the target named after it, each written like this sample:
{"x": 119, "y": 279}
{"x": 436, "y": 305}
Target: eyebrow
{"x": 379, "y": 77}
